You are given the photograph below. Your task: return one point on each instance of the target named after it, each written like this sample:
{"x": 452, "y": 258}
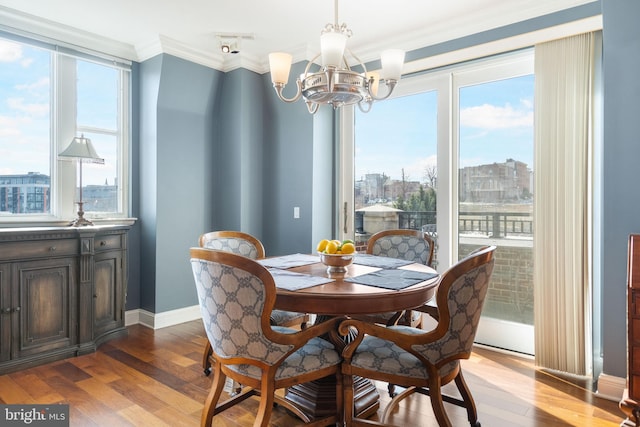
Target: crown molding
{"x": 520, "y": 41}
{"x": 42, "y": 29}
{"x": 164, "y": 44}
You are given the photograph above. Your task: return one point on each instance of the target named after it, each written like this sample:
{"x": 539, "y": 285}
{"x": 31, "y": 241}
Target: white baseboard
{"x": 164, "y": 319}
{"x": 611, "y": 387}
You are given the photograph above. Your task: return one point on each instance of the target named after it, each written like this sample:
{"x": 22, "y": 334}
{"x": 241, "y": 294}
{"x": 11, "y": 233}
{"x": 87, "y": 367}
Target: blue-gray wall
{"x": 221, "y": 151}
{"x": 287, "y": 172}
{"x": 621, "y": 154}
{"x": 178, "y": 134}
{"x": 240, "y": 185}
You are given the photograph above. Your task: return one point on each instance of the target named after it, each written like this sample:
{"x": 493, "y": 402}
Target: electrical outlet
{"x": 296, "y": 212}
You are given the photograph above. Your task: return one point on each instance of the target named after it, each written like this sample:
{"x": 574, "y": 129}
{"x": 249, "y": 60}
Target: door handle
{"x": 345, "y": 218}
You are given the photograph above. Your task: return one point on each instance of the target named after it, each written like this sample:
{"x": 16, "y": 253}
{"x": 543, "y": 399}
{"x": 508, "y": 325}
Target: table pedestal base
{"x": 318, "y": 398}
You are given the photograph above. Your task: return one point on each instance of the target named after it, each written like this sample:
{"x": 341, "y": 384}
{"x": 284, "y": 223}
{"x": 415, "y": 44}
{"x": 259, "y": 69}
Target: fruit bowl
{"x": 336, "y": 263}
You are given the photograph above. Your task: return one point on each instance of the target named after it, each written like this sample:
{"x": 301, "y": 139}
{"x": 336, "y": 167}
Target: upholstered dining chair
{"x": 423, "y": 361}
{"x": 236, "y": 296}
{"x": 245, "y": 244}
{"x": 409, "y": 245}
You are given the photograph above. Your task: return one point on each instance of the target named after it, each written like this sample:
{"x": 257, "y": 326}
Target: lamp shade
{"x": 81, "y": 148}
{"x": 280, "y": 65}
{"x": 332, "y": 46}
{"x": 392, "y": 61}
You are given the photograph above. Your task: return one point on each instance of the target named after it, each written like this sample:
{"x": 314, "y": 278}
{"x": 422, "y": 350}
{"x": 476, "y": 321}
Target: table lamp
{"x": 82, "y": 150}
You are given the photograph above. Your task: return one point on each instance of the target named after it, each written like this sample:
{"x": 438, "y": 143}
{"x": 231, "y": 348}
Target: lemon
{"x": 322, "y": 245}
{"x": 332, "y": 247}
{"x": 348, "y": 248}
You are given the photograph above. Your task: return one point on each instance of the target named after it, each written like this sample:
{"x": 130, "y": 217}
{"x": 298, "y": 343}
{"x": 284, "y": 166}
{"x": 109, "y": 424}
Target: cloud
{"x": 487, "y": 116}
{"x": 35, "y": 109}
{"x": 416, "y": 171}
{"x": 10, "y": 52}
{"x": 13, "y": 127}
{"x": 41, "y": 83}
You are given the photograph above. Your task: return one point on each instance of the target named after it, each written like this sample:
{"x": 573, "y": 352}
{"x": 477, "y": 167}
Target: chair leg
{"x": 347, "y": 392}
{"x": 266, "y": 404}
{"x": 339, "y": 401}
{"x": 437, "y": 404}
{"x": 206, "y": 361}
{"x": 391, "y": 388}
{"x": 469, "y": 403}
{"x": 210, "y": 403}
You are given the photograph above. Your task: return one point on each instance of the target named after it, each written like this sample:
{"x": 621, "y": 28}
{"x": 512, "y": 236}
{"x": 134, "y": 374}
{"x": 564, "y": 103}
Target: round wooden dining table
{"x": 345, "y": 298}
{"x": 342, "y": 297}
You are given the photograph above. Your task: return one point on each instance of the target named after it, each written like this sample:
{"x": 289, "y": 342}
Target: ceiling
{"x": 140, "y": 29}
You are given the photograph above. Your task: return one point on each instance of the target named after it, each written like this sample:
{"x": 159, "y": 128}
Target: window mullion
{"x": 65, "y": 131}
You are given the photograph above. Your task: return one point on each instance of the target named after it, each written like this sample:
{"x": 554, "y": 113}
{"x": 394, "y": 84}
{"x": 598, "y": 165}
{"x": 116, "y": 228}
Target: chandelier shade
{"x": 335, "y": 82}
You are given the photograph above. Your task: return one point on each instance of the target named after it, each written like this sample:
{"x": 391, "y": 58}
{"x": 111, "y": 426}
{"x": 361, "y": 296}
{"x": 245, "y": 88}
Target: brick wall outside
{"x": 511, "y": 288}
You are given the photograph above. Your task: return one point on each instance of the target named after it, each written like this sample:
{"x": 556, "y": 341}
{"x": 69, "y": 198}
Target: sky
{"x": 25, "y": 105}
{"x": 496, "y": 123}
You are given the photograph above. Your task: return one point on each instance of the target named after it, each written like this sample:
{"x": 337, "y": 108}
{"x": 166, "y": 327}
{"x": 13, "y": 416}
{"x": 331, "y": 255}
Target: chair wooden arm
{"x": 383, "y": 332}
{"x": 299, "y": 339}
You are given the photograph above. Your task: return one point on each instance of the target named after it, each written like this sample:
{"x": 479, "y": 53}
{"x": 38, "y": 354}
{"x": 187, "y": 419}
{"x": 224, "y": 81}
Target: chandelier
{"x": 336, "y": 83}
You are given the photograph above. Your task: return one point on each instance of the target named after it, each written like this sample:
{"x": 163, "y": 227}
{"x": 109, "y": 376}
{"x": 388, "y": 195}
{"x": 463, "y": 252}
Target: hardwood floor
{"x": 154, "y": 378}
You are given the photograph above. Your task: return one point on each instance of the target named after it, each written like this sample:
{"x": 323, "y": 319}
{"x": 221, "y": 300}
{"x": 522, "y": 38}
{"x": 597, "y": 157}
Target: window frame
{"x": 64, "y": 127}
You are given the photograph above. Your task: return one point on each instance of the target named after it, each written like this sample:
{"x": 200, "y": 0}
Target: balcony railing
{"x": 491, "y": 224}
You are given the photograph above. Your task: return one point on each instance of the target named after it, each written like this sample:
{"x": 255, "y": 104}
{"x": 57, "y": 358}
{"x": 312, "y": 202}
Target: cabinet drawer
{"x": 39, "y": 249}
{"x": 107, "y": 243}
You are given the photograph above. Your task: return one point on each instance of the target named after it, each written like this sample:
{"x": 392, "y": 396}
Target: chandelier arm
{"x": 368, "y": 104}
{"x": 306, "y": 69}
{"x": 312, "y": 107}
{"x": 391, "y": 84}
{"x": 364, "y": 67}
{"x": 280, "y": 86}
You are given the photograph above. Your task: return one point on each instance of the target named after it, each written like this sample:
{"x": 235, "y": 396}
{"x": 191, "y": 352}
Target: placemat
{"x": 289, "y": 261}
{"x": 380, "y": 261}
{"x": 292, "y": 281}
{"x": 392, "y": 279}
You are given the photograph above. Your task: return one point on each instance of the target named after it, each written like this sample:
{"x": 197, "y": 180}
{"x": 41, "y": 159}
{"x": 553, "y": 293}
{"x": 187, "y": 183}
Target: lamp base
{"x": 80, "y": 221}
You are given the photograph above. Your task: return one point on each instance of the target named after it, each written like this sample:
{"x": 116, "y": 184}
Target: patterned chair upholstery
{"x": 420, "y": 360}
{"x": 403, "y": 244}
{"x": 236, "y": 296}
{"x": 410, "y": 245}
{"x": 246, "y": 245}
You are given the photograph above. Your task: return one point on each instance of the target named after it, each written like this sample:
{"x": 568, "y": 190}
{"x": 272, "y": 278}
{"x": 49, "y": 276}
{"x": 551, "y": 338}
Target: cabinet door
{"x": 107, "y": 292}
{"x": 6, "y": 307}
{"x": 46, "y": 311}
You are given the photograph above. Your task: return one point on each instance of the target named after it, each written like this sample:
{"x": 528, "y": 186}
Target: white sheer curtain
{"x": 562, "y": 209}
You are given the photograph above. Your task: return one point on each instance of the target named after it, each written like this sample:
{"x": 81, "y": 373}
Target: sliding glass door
{"x": 452, "y": 153}
{"x": 495, "y": 194}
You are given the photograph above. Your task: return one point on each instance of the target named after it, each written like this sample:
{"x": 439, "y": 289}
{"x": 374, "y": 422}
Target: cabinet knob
{"x": 6, "y": 310}
{"x": 52, "y": 249}
{"x": 103, "y": 243}
{"x": 17, "y": 309}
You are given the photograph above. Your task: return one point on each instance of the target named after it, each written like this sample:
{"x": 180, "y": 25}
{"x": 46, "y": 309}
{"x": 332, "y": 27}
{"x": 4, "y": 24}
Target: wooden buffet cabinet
{"x": 62, "y": 292}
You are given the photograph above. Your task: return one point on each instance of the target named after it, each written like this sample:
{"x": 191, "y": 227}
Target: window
{"x": 48, "y": 95}
{"x": 451, "y": 154}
